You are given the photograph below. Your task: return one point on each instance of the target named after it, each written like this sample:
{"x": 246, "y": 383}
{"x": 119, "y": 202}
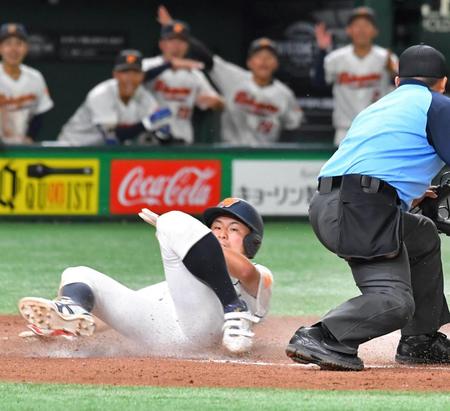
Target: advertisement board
{"x": 30, "y": 186}
{"x": 276, "y": 187}
{"x": 164, "y": 185}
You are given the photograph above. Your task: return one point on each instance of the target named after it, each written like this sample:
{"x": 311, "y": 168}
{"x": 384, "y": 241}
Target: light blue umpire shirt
{"x": 403, "y": 139}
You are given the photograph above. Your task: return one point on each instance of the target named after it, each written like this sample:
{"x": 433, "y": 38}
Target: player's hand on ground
{"x": 149, "y": 216}
{"x": 164, "y": 18}
{"x": 186, "y": 64}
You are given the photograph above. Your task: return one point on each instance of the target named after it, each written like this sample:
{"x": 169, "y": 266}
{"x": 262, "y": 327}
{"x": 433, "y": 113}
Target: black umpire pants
{"x": 405, "y": 292}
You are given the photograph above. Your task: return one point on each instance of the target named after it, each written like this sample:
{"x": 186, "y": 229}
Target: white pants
{"x": 181, "y": 310}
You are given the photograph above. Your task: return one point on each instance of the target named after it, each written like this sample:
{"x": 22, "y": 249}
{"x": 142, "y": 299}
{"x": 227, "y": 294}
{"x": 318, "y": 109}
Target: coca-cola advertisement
{"x": 164, "y": 185}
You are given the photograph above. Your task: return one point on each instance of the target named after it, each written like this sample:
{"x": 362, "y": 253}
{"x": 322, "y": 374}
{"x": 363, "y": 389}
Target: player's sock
{"x": 205, "y": 260}
{"x": 79, "y": 293}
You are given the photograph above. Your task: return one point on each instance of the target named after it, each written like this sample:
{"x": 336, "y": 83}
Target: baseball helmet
{"x": 244, "y": 212}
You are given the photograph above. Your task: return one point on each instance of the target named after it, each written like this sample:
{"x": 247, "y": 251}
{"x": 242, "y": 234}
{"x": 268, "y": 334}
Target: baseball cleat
{"x": 237, "y": 332}
{"x": 60, "y": 315}
{"x": 307, "y": 347}
{"x": 424, "y": 349}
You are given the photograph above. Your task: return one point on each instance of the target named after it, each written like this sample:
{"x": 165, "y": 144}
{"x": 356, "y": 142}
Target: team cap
{"x": 13, "y": 30}
{"x": 362, "y": 12}
{"x": 176, "y": 30}
{"x": 260, "y": 44}
{"x": 128, "y": 60}
{"x": 422, "y": 61}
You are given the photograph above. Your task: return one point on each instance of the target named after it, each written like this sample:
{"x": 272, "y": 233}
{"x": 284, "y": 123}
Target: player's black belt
{"x": 367, "y": 184}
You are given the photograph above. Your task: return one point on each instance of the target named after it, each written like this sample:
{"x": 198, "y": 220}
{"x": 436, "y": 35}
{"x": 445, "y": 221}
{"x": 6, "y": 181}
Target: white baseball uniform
{"x": 178, "y": 90}
{"x": 104, "y": 107}
{"x": 253, "y": 115}
{"x": 20, "y": 100}
{"x": 181, "y": 311}
{"x": 357, "y": 83}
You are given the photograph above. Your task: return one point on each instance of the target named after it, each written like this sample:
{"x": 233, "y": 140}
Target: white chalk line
{"x": 293, "y": 365}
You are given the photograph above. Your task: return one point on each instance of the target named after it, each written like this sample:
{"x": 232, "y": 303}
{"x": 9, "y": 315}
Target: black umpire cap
{"x": 13, "y": 30}
{"x": 422, "y": 61}
{"x": 128, "y": 60}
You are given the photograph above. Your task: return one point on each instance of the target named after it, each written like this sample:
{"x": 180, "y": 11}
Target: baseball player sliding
{"x": 212, "y": 290}
{"x": 257, "y": 106}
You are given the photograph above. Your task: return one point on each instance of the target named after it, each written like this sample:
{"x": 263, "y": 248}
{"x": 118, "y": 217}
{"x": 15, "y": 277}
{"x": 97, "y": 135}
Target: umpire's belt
{"x": 367, "y": 184}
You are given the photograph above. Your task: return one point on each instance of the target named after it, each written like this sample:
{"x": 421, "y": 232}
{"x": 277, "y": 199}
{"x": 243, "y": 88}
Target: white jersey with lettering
{"x": 178, "y": 90}
{"x": 103, "y": 107}
{"x": 357, "y": 82}
{"x": 253, "y": 115}
{"x": 20, "y": 101}
{"x": 181, "y": 311}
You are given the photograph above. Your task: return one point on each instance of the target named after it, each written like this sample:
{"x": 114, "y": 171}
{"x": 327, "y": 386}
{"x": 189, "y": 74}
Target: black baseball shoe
{"x": 424, "y": 349}
{"x": 308, "y": 346}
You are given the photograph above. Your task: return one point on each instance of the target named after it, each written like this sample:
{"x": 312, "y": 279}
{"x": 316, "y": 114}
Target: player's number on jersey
{"x": 184, "y": 112}
{"x": 265, "y": 126}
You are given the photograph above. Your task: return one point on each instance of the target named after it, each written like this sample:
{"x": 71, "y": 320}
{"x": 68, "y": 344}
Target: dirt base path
{"x": 108, "y": 358}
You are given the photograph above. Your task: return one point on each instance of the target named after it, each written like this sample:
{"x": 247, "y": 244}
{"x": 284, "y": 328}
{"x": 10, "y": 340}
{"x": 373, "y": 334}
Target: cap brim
{"x": 18, "y": 35}
{"x": 269, "y": 48}
{"x": 210, "y": 214}
{"x": 128, "y": 67}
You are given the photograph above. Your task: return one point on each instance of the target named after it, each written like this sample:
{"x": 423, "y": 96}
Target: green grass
{"x": 308, "y": 278}
{"x": 76, "y": 397}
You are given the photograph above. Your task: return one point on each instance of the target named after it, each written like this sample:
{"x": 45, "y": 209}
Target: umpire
{"x": 360, "y": 212}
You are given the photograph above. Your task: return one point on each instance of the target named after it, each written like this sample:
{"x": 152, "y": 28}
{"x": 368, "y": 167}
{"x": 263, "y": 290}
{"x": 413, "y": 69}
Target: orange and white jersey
{"x": 179, "y": 91}
{"x": 20, "y": 100}
{"x": 357, "y": 82}
{"x": 259, "y": 304}
{"x": 103, "y": 107}
{"x": 253, "y": 115}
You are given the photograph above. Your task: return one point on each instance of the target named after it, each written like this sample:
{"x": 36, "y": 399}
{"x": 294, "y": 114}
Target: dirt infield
{"x": 108, "y": 358}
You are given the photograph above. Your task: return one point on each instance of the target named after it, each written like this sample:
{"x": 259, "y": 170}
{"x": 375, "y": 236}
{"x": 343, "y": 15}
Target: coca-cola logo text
{"x": 164, "y": 185}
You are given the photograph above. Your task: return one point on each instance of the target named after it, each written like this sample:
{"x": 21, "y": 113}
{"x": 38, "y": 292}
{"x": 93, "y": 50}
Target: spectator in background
{"x": 360, "y": 72}
{"x": 24, "y": 96}
{"x": 118, "y": 109}
{"x": 179, "y": 86}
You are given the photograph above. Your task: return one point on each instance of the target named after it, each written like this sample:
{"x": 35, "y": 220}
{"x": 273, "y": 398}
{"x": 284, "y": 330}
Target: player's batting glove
{"x": 158, "y": 124}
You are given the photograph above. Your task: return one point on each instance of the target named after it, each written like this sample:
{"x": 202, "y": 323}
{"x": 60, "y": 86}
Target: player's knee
{"x": 178, "y": 225}
{"x": 173, "y": 221}
{"x": 75, "y": 274}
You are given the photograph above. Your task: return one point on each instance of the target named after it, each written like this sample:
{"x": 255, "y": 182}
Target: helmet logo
{"x": 131, "y": 58}
{"x": 12, "y": 28}
{"x": 228, "y": 202}
{"x": 178, "y": 28}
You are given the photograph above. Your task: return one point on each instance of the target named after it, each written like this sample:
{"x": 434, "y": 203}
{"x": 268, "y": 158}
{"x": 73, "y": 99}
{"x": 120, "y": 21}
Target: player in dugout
{"x": 178, "y": 83}
{"x": 258, "y": 107}
{"x": 118, "y": 110}
{"x": 360, "y": 72}
{"x": 24, "y": 96}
